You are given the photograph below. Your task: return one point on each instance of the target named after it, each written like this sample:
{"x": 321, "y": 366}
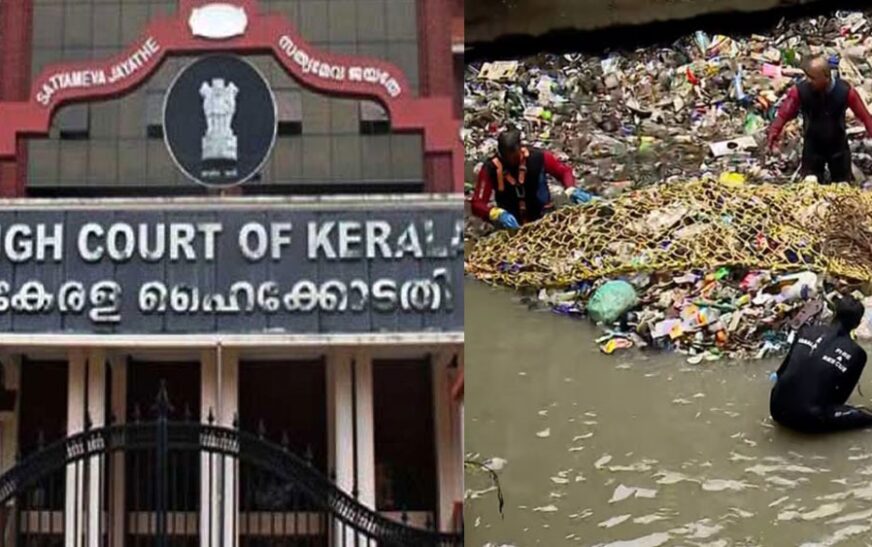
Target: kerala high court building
{"x": 231, "y": 240}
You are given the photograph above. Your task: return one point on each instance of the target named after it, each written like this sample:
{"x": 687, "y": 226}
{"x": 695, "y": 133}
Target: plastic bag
{"x": 800, "y": 286}
{"x": 611, "y": 301}
{"x": 864, "y": 331}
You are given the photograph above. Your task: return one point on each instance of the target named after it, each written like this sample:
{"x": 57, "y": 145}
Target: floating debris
{"x": 724, "y": 254}
{"x": 719, "y": 485}
{"x": 614, "y": 521}
{"x": 652, "y": 540}
{"x": 826, "y": 510}
{"x": 600, "y": 463}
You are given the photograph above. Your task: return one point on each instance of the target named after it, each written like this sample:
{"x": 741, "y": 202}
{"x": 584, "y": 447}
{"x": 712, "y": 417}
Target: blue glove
{"x": 578, "y": 196}
{"x": 773, "y": 377}
{"x": 504, "y": 218}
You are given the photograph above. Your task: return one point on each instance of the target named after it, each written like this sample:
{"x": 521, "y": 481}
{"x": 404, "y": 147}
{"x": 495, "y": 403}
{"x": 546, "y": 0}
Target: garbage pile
{"x": 677, "y": 227}
{"x": 701, "y": 244}
{"x": 627, "y": 120}
{"x": 707, "y": 267}
{"x": 709, "y": 315}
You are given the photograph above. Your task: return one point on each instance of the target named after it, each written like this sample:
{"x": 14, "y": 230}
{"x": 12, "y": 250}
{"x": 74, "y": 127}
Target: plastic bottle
{"x": 740, "y": 91}
{"x": 834, "y": 61}
{"x": 702, "y": 41}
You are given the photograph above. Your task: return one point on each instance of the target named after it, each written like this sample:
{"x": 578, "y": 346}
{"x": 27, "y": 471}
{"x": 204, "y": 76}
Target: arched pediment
{"x": 237, "y": 26}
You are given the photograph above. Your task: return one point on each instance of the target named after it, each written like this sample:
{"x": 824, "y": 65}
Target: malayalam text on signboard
{"x": 240, "y": 271}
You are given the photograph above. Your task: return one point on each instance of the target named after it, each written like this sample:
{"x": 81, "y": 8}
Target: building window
{"x": 290, "y": 110}
{"x": 458, "y": 81}
{"x": 326, "y": 144}
{"x": 42, "y": 415}
{"x": 43, "y": 405}
{"x": 182, "y": 381}
{"x": 374, "y": 119}
{"x": 286, "y": 399}
{"x": 154, "y": 102}
{"x": 73, "y": 122}
{"x": 286, "y": 403}
{"x": 405, "y": 448}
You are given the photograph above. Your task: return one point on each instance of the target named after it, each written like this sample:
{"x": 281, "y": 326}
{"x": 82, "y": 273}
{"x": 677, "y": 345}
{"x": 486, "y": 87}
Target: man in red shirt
{"x": 823, "y": 102}
{"x": 517, "y": 176}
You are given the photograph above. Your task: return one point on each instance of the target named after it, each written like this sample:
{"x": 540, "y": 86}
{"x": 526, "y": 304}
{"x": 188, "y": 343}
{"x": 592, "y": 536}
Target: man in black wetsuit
{"x": 823, "y": 102}
{"x": 819, "y": 374}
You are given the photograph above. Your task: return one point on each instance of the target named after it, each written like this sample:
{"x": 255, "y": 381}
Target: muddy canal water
{"x": 640, "y": 449}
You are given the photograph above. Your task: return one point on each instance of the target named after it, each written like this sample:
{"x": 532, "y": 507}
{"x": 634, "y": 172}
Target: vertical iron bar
{"x": 187, "y": 504}
{"x": 295, "y": 507}
{"x": 182, "y": 499}
{"x": 355, "y": 538}
{"x": 76, "y": 504}
{"x": 17, "y": 521}
{"x": 110, "y": 501}
{"x": 209, "y": 495}
{"x": 221, "y": 467}
{"x": 51, "y": 501}
{"x": 272, "y": 516}
{"x": 86, "y": 489}
{"x": 354, "y": 455}
{"x": 195, "y": 465}
{"x": 101, "y": 461}
{"x": 235, "y": 515}
{"x": 63, "y": 505}
{"x": 174, "y": 490}
{"x": 161, "y": 467}
{"x": 137, "y": 496}
{"x": 308, "y": 528}
{"x": 247, "y": 501}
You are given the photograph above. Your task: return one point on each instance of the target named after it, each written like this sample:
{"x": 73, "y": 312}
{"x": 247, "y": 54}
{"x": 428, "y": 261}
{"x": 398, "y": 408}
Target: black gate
{"x": 145, "y": 483}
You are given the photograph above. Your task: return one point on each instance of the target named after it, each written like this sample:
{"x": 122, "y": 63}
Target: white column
{"x": 449, "y": 458}
{"x": 117, "y": 509}
{"x": 229, "y": 399}
{"x": 339, "y": 400}
{"x": 9, "y": 420}
{"x": 97, "y": 413}
{"x": 330, "y": 376}
{"x": 341, "y": 429}
{"x": 208, "y": 481}
{"x": 9, "y": 438}
{"x": 73, "y": 521}
{"x": 365, "y": 429}
{"x": 228, "y": 404}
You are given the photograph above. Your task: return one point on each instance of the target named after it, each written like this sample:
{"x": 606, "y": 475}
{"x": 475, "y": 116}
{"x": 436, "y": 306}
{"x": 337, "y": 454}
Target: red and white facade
{"x": 90, "y": 376}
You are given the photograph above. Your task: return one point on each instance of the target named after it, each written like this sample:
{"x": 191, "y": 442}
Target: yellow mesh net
{"x": 683, "y": 226}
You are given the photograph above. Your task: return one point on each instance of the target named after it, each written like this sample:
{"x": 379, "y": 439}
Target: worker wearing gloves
{"x": 823, "y": 102}
{"x": 518, "y": 176}
{"x": 819, "y": 374}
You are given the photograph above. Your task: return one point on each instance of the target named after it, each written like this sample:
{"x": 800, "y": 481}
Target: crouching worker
{"x": 819, "y": 374}
{"x": 518, "y": 176}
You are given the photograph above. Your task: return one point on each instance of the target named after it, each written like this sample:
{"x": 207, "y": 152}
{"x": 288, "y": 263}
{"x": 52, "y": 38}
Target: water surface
{"x": 642, "y": 449}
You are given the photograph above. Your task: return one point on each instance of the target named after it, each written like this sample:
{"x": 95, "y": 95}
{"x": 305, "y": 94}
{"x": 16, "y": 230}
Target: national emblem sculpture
{"x": 219, "y": 105}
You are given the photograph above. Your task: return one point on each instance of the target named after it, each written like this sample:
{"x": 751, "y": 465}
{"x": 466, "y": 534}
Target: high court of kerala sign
{"x": 254, "y": 267}
{"x": 235, "y": 26}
